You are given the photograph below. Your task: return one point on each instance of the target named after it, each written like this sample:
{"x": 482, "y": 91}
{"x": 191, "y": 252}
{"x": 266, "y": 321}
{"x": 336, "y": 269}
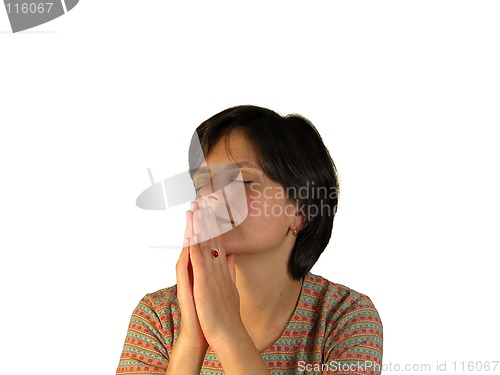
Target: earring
{"x": 295, "y": 232}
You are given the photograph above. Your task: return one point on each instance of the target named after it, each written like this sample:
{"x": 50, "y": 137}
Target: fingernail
{"x": 202, "y": 203}
{"x": 195, "y": 238}
{"x": 193, "y": 206}
{"x": 186, "y": 241}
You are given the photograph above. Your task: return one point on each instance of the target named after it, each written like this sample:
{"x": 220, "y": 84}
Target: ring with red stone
{"x": 215, "y": 253}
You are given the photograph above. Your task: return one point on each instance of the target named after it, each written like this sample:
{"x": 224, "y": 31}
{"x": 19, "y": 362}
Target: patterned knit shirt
{"x": 333, "y": 330}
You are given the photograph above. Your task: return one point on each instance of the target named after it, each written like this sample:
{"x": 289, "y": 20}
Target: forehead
{"x": 234, "y": 148}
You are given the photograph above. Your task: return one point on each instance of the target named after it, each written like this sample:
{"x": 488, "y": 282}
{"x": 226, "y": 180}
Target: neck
{"x": 268, "y": 295}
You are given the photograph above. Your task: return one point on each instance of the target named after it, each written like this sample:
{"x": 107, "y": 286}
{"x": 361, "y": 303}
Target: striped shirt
{"x": 333, "y": 330}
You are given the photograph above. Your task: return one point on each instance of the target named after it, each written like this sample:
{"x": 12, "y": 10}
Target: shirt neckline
{"x": 295, "y": 317}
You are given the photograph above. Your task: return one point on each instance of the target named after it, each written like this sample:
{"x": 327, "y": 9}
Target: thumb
{"x": 230, "y": 267}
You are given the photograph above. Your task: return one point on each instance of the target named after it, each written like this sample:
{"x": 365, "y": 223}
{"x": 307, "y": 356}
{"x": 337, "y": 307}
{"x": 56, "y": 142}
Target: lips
{"x": 221, "y": 220}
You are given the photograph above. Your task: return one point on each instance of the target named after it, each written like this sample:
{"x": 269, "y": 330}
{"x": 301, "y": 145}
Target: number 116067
{"x": 25, "y": 8}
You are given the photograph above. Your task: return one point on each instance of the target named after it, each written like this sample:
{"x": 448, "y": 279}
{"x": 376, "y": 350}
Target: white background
{"x": 406, "y": 95}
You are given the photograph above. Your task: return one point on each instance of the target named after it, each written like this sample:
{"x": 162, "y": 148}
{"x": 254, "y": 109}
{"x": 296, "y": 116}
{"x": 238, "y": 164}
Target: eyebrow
{"x": 247, "y": 164}
{"x": 244, "y": 163}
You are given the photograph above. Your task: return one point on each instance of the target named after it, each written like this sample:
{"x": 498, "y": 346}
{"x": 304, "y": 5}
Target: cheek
{"x": 267, "y": 211}
{"x": 267, "y": 205}
{"x": 254, "y": 203}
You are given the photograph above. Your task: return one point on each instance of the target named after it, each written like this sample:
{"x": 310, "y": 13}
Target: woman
{"x": 267, "y": 195}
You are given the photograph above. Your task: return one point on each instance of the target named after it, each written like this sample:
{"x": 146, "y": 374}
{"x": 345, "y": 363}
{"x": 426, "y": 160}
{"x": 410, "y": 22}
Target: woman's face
{"x": 269, "y": 214}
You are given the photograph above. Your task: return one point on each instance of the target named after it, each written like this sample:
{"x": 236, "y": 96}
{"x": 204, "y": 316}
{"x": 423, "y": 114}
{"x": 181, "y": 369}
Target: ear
{"x": 298, "y": 221}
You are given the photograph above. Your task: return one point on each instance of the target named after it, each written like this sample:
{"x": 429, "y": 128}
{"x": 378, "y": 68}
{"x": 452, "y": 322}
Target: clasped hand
{"x": 206, "y": 290}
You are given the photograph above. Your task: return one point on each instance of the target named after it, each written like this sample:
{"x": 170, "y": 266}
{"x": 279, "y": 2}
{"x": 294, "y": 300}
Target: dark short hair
{"x": 291, "y": 152}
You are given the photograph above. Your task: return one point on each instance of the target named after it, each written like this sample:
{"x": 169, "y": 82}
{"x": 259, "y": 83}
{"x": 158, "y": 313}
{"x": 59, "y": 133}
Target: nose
{"x": 211, "y": 199}
{"x": 216, "y": 202}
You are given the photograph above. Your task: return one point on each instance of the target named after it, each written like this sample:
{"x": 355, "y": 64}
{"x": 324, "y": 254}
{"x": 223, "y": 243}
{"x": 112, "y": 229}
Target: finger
{"x": 182, "y": 267}
{"x": 214, "y": 231}
{"x": 210, "y": 227}
{"x": 196, "y": 257}
{"x": 201, "y": 252}
{"x": 230, "y": 267}
{"x": 189, "y": 224}
{"x": 184, "y": 257}
{"x": 198, "y": 224}
{"x": 213, "y": 227}
{"x": 181, "y": 270}
{"x": 194, "y": 206}
{"x": 212, "y": 264}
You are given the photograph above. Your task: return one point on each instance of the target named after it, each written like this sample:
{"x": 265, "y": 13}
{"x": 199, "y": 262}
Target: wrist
{"x": 186, "y": 357}
{"x": 239, "y": 356}
{"x": 191, "y": 345}
{"x": 230, "y": 340}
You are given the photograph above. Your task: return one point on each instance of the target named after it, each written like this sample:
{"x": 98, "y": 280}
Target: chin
{"x": 225, "y": 227}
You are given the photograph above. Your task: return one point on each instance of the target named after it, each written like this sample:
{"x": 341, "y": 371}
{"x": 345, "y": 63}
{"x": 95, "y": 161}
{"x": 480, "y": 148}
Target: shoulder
{"x": 340, "y": 305}
{"x": 151, "y": 332}
{"x": 336, "y": 296}
{"x": 161, "y": 307}
{"x": 162, "y": 298}
{"x": 353, "y": 328}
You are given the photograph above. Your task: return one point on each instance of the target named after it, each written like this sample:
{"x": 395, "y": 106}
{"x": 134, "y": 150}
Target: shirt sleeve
{"x": 145, "y": 349}
{"x": 355, "y": 343}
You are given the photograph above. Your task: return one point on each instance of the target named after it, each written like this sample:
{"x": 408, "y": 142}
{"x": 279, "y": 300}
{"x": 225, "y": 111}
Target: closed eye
{"x": 198, "y": 188}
